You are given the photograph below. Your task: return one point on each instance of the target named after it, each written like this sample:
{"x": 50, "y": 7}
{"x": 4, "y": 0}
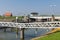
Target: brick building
{"x": 8, "y": 14}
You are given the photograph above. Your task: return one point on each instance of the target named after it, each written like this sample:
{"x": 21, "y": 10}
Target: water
{"x": 29, "y": 34}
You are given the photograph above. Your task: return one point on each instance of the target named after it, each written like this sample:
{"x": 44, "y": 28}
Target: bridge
{"x": 31, "y": 25}
{"x": 22, "y": 26}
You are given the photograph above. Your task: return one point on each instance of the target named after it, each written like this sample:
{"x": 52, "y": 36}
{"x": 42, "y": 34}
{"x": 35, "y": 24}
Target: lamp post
{"x": 16, "y": 28}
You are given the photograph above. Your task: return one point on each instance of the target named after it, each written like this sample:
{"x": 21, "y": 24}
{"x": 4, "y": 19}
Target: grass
{"x": 12, "y": 17}
{"x": 54, "y": 36}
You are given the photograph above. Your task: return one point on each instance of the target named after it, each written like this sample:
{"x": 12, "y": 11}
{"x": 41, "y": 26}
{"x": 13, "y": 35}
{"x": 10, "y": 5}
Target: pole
{"x": 22, "y": 34}
{"x": 16, "y": 28}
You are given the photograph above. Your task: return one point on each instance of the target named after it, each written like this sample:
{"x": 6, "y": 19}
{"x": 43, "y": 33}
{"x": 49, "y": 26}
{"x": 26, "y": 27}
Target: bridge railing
{"x": 31, "y": 25}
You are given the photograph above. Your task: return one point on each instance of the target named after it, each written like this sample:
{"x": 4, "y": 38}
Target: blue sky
{"x": 21, "y": 7}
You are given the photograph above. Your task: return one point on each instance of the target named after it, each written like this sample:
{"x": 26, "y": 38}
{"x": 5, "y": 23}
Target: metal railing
{"x": 31, "y": 25}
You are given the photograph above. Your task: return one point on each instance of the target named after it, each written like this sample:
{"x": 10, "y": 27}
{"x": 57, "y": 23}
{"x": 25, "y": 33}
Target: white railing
{"x": 31, "y": 25}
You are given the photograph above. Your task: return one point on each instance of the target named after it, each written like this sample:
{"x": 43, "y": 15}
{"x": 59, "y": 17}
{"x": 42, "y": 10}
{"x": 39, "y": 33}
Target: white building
{"x": 43, "y": 18}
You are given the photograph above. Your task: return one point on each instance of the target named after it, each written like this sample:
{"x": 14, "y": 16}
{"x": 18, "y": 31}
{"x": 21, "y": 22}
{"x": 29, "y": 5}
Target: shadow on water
{"x": 29, "y": 34}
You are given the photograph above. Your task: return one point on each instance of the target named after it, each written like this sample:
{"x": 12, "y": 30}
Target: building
{"x": 44, "y": 18}
{"x": 8, "y": 14}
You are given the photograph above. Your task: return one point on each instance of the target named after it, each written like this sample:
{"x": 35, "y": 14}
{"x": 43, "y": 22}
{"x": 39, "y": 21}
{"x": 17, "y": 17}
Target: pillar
{"x": 22, "y": 34}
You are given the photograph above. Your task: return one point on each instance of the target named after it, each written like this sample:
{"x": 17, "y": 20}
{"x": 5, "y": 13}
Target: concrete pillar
{"x": 22, "y": 34}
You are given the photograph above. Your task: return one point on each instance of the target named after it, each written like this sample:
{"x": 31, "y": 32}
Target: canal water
{"x": 29, "y": 34}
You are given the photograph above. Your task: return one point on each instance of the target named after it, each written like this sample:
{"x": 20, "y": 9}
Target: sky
{"x": 25, "y": 7}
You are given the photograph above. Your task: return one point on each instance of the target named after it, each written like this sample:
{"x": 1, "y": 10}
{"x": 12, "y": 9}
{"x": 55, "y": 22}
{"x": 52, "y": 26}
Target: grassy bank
{"x": 10, "y": 17}
{"x": 53, "y": 36}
